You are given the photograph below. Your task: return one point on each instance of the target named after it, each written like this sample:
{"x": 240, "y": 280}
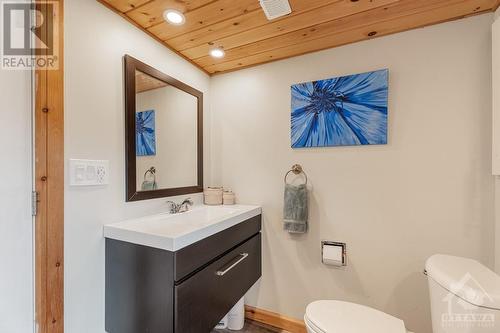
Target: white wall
{"x": 496, "y": 129}
{"x": 16, "y": 227}
{"x": 95, "y": 41}
{"x": 430, "y": 190}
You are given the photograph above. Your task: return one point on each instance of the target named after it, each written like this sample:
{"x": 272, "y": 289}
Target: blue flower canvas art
{"x": 342, "y": 111}
{"x": 145, "y": 136}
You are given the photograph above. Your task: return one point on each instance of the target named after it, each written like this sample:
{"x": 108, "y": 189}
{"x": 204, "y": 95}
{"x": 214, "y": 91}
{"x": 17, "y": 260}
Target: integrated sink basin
{"x": 172, "y": 232}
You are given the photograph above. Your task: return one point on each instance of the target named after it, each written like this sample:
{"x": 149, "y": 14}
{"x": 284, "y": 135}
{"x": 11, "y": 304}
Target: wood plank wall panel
{"x": 242, "y": 30}
{"x": 49, "y": 182}
{"x": 41, "y": 120}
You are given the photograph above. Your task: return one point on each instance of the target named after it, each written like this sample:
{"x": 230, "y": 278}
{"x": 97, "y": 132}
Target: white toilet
{"x": 465, "y": 298}
{"x": 465, "y": 295}
{"x": 345, "y": 317}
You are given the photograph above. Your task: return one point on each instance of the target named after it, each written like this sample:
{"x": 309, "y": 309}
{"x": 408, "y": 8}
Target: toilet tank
{"x": 464, "y": 295}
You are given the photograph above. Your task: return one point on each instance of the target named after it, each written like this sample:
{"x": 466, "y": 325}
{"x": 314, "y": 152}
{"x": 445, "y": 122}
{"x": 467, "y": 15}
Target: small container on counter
{"x": 229, "y": 198}
{"x": 213, "y": 196}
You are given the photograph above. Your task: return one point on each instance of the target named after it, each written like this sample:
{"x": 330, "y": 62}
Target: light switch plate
{"x": 88, "y": 172}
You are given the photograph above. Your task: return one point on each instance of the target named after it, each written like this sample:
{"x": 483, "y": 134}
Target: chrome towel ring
{"x": 151, "y": 171}
{"x": 297, "y": 170}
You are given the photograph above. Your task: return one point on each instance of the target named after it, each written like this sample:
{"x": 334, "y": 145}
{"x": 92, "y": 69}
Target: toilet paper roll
{"x": 333, "y": 255}
{"x": 236, "y": 317}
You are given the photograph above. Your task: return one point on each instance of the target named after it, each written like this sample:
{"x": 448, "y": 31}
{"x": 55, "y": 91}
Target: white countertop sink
{"x": 172, "y": 232}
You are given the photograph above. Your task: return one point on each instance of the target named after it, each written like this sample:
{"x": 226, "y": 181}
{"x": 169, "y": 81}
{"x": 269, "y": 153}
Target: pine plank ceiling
{"x": 241, "y": 28}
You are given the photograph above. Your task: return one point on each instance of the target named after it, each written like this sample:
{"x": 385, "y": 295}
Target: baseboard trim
{"x": 275, "y": 320}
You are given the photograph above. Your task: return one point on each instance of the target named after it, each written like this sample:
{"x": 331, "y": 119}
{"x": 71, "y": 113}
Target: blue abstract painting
{"x": 145, "y": 136}
{"x": 342, "y": 111}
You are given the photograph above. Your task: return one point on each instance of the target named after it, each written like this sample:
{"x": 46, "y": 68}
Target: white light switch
{"x": 80, "y": 172}
{"x": 88, "y": 172}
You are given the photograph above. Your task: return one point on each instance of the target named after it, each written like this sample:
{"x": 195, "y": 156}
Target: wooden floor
{"x": 251, "y": 327}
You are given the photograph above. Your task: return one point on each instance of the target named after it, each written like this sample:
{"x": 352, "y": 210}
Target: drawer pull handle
{"x": 242, "y": 256}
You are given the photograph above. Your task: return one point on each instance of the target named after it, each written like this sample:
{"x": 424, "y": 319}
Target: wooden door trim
{"x": 49, "y": 184}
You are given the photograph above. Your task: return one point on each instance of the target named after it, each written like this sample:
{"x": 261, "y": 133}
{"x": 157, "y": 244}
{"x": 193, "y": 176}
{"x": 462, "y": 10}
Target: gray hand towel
{"x": 148, "y": 185}
{"x": 295, "y": 210}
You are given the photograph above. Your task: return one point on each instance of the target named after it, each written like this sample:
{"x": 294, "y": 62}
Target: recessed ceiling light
{"x": 174, "y": 17}
{"x": 217, "y": 53}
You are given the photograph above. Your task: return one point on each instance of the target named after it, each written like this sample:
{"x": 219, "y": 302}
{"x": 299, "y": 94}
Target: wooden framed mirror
{"x": 163, "y": 134}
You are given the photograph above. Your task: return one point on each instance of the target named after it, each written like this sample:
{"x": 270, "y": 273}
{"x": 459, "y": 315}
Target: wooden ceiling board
{"x": 124, "y": 6}
{"x": 107, "y": 5}
{"x": 144, "y": 82}
{"x": 222, "y": 29}
{"x": 382, "y": 28}
{"x": 249, "y": 39}
{"x": 239, "y": 24}
{"x": 212, "y": 13}
{"x": 151, "y": 13}
{"x": 275, "y": 28}
{"x": 367, "y": 18}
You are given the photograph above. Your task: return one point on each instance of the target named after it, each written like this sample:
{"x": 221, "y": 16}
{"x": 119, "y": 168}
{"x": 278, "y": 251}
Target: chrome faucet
{"x": 181, "y": 207}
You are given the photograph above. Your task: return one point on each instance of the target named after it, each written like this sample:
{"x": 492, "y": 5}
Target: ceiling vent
{"x": 275, "y": 8}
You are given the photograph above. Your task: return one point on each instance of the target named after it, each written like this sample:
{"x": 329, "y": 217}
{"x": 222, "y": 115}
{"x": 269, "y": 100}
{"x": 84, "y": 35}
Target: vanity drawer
{"x": 192, "y": 257}
{"x": 204, "y": 298}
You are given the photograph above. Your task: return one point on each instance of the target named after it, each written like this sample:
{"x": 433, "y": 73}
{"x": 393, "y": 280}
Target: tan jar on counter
{"x": 229, "y": 198}
{"x": 213, "y": 196}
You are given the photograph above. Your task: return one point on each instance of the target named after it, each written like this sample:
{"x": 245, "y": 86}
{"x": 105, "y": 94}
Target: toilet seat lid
{"x": 345, "y": 317}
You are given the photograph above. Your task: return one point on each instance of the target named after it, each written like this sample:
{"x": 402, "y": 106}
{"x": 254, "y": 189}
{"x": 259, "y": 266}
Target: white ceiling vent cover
{"x": 275, "y": 8}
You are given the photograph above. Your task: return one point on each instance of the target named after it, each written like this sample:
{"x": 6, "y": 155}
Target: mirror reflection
{"x": 166, "y": 135}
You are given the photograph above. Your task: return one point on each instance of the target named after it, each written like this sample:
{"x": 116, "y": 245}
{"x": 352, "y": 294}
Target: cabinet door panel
{"x": 139, "y": 289}
{"x": 203, "y": 299}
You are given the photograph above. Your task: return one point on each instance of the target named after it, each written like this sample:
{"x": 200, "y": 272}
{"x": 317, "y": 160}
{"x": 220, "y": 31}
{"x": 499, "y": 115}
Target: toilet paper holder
{"x": 340, "y": 260}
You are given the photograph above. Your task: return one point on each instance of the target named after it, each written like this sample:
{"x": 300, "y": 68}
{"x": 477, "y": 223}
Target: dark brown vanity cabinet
{"x": 150, "y": 290}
